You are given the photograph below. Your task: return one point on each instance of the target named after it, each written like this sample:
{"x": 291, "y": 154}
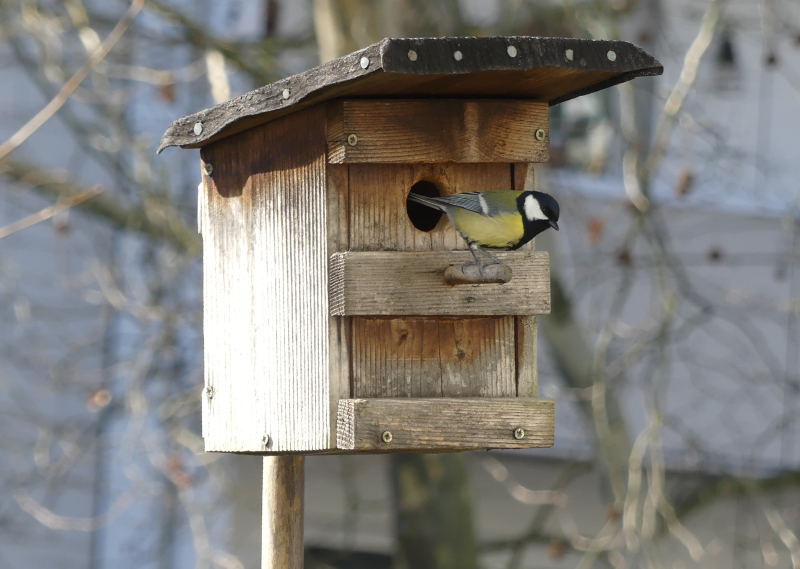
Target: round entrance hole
{"x": 423, "y": 217}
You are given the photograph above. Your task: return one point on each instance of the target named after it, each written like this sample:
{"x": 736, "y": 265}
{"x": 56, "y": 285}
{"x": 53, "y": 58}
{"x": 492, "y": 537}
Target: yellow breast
{"x": 497, "y": 232}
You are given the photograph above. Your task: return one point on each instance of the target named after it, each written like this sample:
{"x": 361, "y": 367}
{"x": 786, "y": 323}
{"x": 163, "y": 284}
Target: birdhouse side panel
{"x": 266, "y": 314}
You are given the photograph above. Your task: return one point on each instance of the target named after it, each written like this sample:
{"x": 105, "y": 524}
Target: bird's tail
{"x": 424, "y": 200}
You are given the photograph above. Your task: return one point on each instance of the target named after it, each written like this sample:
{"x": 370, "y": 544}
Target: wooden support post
{"x": 282, "y": 513}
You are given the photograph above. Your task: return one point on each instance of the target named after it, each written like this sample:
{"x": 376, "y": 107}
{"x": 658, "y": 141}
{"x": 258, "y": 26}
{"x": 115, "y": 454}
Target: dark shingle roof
{"x": 542, "y": 69}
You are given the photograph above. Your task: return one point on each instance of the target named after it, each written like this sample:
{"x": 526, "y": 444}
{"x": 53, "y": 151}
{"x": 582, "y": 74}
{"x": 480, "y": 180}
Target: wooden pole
{"x": 282, "y": 513}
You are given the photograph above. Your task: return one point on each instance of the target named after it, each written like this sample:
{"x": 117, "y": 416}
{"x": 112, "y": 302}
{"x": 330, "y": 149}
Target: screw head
{"x": 198, "y": 128}
{"x": 519, "y": 433}
{"x": 458, "y": 56}
{"x": 208, "y": 168}
{"x": 364, "y": 62}
{"x": 352, "y": 140}
{"x": 286, "y": 93}
{"x": 386, "y": 436}
{"x": 265, "y": 441}
{"x": 612, "y": 55}
{"x": 412, "y": 55}
{"x": 569, "y": 54}
{"x": 512, "y": 51}
{"x": 540, "y": 134}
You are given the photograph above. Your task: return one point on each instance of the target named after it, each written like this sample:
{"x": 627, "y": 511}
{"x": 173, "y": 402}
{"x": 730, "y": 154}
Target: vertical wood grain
{"x": 339, "y": 326}
{"x": 416, "y": 356}
{"x": 433, "y": 357}
{"x": 378, "y": 192}
{"x": 282, "y": 512}
{"x": 266, "y": 336}
{"x": 526, "y": 326}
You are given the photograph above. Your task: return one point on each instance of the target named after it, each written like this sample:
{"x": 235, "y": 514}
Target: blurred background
{"x": 672, "y": 348}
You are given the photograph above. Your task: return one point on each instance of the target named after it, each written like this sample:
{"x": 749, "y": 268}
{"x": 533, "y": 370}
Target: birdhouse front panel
{"x": 339, "y": 315}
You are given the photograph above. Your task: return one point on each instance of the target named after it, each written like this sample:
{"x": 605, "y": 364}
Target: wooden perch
{"x": 497, "y": 273}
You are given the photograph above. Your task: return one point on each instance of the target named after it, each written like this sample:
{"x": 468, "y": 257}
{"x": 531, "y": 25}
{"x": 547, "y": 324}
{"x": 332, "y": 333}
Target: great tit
{"x": 498, "y": 219}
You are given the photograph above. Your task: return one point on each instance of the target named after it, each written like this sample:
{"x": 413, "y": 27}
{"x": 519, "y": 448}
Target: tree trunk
{"x": 433, "y": 512}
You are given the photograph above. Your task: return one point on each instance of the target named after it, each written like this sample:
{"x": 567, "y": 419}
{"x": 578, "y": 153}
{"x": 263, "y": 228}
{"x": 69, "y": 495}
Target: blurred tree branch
{"x": 156, "y": 218}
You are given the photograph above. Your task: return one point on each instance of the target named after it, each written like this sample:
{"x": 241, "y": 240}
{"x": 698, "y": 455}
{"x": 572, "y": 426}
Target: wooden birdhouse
{"x": 330, "y": 321}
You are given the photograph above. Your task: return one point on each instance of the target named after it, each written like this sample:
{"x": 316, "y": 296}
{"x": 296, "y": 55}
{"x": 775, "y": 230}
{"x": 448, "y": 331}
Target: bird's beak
{"x": 554, "y": 225}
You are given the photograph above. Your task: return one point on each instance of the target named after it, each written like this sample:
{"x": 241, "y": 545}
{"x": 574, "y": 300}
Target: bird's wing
{"x": 491, "y": 203}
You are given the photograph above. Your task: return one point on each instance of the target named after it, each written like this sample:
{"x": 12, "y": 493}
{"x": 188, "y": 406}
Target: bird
{"x": 496, "y": 219}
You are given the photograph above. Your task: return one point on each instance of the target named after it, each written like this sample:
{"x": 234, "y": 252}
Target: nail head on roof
{"x": 512, "y": 51}
{"x": 612, "y": 56}
{"x": 198, "y": 128}
{"x": 412, "y": 55}
{"x": 364, "y": 62}
{"x": 583, "y": 62}
{"x": 569, "y": 54}
{"x": 458, "y": 56}
{"x": 286, "y": 93}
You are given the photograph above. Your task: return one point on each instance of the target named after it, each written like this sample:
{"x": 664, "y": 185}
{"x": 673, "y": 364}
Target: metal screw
{"x": 458, "y": 56}
{"x": 265, "y": 441}
{"x": 512, "y": 51}
{"x": 540, "y": 134}
{"x": 208, "y": 168}
{"x": 364, "y": 62}
{"x": 569, "y": 54}
{"x": 352, "y": 140}
{"x": 286, "y": 93}
{"x": 198, "y": 128}
{"x": 519, "y": 433}
{"x": 612, "y": 56}
{"x": 412, "y": 55}
{"x": 386, "y": 436}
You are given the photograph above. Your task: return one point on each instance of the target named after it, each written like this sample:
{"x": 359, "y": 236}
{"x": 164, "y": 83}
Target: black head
{"x": 539, "y": 207}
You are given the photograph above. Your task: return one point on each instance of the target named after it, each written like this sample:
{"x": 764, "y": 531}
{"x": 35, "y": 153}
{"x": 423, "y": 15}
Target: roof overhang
{"x": 551, "y": 70}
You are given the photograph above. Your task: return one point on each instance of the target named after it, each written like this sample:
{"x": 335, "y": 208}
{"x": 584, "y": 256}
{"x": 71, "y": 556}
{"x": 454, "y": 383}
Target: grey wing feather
{"x": 469, "y": 200}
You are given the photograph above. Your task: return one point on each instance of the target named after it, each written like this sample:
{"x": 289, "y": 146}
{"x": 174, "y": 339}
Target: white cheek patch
{"x": 533, "y": 210}
{"x": 484, "y": 205}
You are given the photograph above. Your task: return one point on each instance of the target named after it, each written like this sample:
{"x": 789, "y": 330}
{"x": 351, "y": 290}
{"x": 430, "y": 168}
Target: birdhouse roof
{"x": 515, "y": 67}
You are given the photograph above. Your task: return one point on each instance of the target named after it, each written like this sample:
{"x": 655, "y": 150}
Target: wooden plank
{"x": 527, "y": 373}
{"x": 378, "y": 217}
{"x": 339, "y": 326}
{"x": 266, "y": 336}
{"x": 410, "y": 131}
{"x": 282, "y": 512}
{"x": 433, "y": 357}
{"x": 526, "y": 326}
{"x": 543, "y": 69}
{"x": 438, "y": 424}
{"x": 395, "y": 283}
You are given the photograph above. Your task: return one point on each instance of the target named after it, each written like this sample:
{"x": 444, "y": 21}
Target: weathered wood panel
{"x": 339, "y": 326}
{"x": 412, "y": 131}
{"x": 526, "y": 326}
{"x": 433, "y": 357}
{"x": 398, "y": 283}
{"x": 444, "y": 424}
{"x": 265, "y": 335}
{"x": 378, "y": 192}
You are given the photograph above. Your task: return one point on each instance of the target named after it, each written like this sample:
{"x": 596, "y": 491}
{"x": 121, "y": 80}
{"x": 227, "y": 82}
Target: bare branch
{"x": 70, "y": 86}
{"x": 157, "y": 218}
{"x": 49, "y": 212}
